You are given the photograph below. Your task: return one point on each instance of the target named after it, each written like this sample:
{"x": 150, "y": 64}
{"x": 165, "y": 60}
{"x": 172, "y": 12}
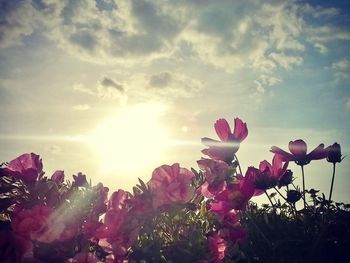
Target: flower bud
{"x": 334, "y": 153}
{"x": 293, "y": 196}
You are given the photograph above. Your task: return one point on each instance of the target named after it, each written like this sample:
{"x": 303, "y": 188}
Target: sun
{"x": 131, "y": 139}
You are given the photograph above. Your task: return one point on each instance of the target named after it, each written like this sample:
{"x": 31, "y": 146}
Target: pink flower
{"x": 236, "y": 195}
{"x": 215, "y": 173}
{"x": 27, "y": 167}
{"x": 79, "y": 180}
{"x": 171, "y": 184}
{"x": 100, "y": 199}
{"x": 41, "y": 223}
{"x": 32, "y": 223}
{"x": 117, "y": 200}
{"x": 229, "y": 144}
{"x": 298, "y": 149}
{"x": 217, "y": 246}
{"x": 58, "y": 177}
{"x": 270, "y": 174}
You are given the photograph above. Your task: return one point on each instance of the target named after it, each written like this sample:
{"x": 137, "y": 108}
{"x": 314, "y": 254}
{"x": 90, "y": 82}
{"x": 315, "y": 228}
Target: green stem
{"x": 239, "y": 166}
{"x": 273, "y": 206}
{"x": 331, "y": 190}
{"x": 285, "y": 199}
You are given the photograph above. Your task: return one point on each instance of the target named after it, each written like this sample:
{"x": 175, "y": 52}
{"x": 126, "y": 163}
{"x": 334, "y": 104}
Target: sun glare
{"x": 131, "y": 139}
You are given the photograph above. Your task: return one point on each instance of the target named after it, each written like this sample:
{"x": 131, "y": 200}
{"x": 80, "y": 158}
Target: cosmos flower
{"x": 58, "y": 177}
{"x": 215, "y": 173}
{"x": 171, "y": 184}
{"x": 298, "y": 149}
{"x": 270, "y": 174}
{"x": 27, "y": 167}
{"x": 226, "y": 148}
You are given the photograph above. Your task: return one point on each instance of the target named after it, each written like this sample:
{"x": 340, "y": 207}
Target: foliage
{"x": 179, "y": 215}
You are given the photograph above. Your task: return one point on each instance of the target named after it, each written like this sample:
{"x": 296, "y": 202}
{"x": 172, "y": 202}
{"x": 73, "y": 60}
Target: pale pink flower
{"x": 27, "y": 167}
{"x": 171, "y": 184}
{"x": 225, "y": 149}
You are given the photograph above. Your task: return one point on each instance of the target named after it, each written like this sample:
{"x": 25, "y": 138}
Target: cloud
{"x": 106, "y": 88}
{"x": 110, "y": 83}
{"x": 341, "y": 70}
{"x": 341, "y": 65}
{"x": 164, "y": 85}
{"x": 160, "y": 80}
{"x": 16, "y": 21}
{"x": 263, "y": 36}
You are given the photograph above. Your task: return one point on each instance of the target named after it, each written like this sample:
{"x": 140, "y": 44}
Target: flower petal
{"x": 318, "y": 153}
{"x": 285, "y": 155}
{"x": 240, "y": 131}
{"x": 222, "y": 129}
{"x": 298, "y": 148}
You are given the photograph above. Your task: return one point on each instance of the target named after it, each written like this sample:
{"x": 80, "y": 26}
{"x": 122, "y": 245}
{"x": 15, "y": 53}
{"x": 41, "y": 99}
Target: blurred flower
{"x": 298, "y": 149}
{"x": 217, "y": 246}
{"x": 58, "y": 177}
{"x": 79, "y": 180}
{"x": 293, "y": 196}
{"x": 100, "y": 199}
{"x": 286, "y": 179}
{"x": 215, "y": 173}
{"x": 27, "y": 167}
{"x": 334, "y": 153}
{"x": 171, "y": 184}
{"x": 225, "y": 149}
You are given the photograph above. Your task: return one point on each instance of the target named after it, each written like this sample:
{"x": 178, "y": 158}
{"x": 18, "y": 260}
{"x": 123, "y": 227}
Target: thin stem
{"x": 331, "y": 190}
{"x": 285, "y": 199}
{"x": 273, "y": 206}
{"x": 302, "y": 173}
{"x": 239, "y": 166}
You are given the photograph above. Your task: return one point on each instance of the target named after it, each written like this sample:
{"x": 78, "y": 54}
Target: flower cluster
{"x": 179, "y": 215}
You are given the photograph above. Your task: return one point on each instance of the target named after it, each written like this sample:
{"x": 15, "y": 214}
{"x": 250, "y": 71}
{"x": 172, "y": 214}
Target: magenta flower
{"x": 235, "y": 196}
{"x": 225, "y": 149}
{"x": 171, "y": 184}
{"x": 217, "y": 246}
{"x": 298, "y": 149}
{"x": 269, "y": 174}
{"x": 58, "y": 177}
{"x": 215, "y": 173}
{"x": 27, "y": 167}
{"x": 79, "y": 180}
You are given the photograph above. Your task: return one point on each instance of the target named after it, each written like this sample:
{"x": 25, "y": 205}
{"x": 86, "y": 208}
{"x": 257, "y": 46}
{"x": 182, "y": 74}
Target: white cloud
{"x": 286, "y": 61}
{"x": 341, "y": 70}
{"x": 341, "y": 65}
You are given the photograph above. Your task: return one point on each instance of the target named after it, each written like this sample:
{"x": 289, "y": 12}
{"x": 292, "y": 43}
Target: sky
{"x": 115, "y": 89}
